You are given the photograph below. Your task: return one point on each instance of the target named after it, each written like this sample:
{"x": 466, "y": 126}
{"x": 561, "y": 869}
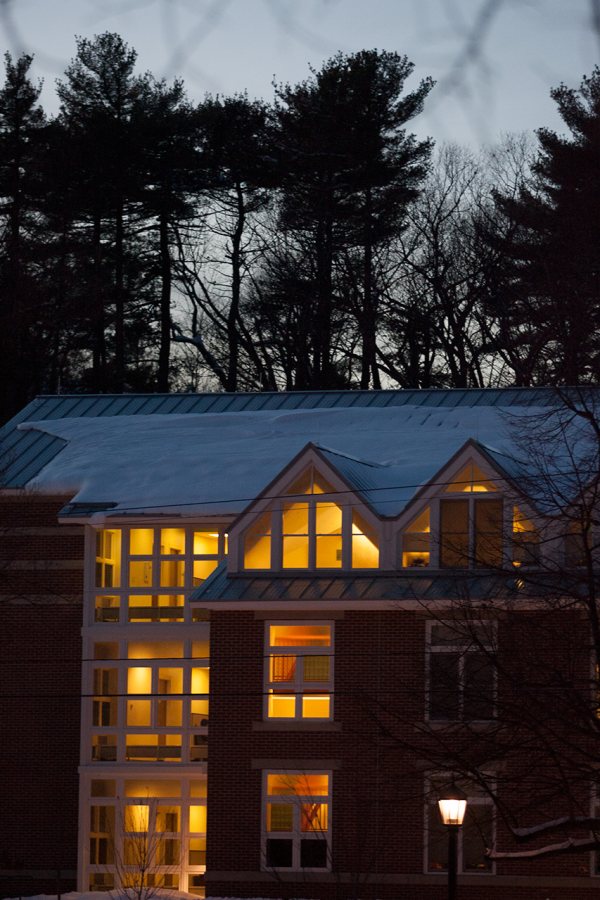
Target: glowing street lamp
{"x": 452, "y": 805}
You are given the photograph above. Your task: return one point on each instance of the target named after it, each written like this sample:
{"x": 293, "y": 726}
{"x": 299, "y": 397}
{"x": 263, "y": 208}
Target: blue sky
{"x": 523, "y": 49}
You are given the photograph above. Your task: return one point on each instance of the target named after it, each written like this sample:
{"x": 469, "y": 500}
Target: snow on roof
{"x": 214, "y": 464}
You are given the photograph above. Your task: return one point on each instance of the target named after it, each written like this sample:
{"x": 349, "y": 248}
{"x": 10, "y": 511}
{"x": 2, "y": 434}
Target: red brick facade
{"x": 377, "y": 782}
{"x": 41, "y": 567}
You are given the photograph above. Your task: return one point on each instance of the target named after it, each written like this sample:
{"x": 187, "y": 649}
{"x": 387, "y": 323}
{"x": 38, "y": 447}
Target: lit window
{"x": 108, "y": 558}
{"x": 461, "y": 672}
{"x": 313, "y": 532}
{"x": 526, "y": 540}
{"x": 475, "y": 835}
{"x": 299, "y": 675}
{"x": 416, "y": 549}
{"x": 471, "y": 480}
{"x": 296, "y": 817}
{"x": 257, "y": 544}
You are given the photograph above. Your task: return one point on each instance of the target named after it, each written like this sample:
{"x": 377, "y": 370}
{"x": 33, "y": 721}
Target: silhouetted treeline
{"x": 149, "y": 243}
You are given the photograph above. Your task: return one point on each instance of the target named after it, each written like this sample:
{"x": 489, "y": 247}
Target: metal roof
{"x": 24, "y": 453}
{"x": 378, "y": 586}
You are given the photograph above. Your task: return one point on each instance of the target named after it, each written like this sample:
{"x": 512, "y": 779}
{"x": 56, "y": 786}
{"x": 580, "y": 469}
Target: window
{"x": 157, "y": 698}
{"x": 461, "y": 672}
{"x": 475, "y": 835}
{"x": 142, "y": 573}
{"x": 299, "y": 671}
{"x": 309, "y": 529}
{"x": 464, "y": 527}
{"x": 526, "y": 540}
{"x": 296, "y": 820}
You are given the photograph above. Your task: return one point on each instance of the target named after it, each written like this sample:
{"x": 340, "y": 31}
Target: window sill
{"x": 295, "y": 725}
{"x": 475, "y": 725}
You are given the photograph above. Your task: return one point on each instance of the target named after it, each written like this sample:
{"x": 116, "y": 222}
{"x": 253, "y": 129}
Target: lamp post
{"x": 452, "y": 805}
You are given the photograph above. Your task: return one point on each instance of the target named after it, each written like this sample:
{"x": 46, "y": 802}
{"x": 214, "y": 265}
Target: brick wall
{"x": 41, "y": 571}
{"x": 377, "y": 802}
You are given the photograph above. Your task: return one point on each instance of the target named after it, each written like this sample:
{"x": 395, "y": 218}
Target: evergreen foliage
{"x": 150, "y": 243}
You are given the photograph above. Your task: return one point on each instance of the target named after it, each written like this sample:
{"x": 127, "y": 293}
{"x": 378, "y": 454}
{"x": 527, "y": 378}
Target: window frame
{"x": 298, "y": 651}
{"x": 111, "y": 605}
{"x": 275, "y": 510}
{"x": 295, "y": 835}
{"x": 463, "y": 651}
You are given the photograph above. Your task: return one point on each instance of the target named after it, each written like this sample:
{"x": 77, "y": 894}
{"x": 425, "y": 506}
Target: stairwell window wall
{"x": 144, "y": 574}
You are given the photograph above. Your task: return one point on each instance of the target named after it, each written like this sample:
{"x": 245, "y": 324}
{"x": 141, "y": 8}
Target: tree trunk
{"x": 164, "y": 352}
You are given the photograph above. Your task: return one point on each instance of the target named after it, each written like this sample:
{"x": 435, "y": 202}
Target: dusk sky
{"x": 522, "y": 49}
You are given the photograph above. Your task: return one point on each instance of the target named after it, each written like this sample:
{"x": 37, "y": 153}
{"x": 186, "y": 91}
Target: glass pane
{"x": 257, "y": 544}
{"x": 306, "y": 784}
{"x": 313, "y": 854}
{"x": 295, "y": 552}
{"x": 197, "y": 853}
{"x": 172, "y": 573}
{"x": 488, "y": 533}
{"x": 471, "y": 479}
{"x": 365, "y": 549}
{"x": 136, "y": 817}
{"x": 140, "y": 574}
{"x": 169, "y": 713}
{"x": 206, "y": 543}
{"x": 167, "y": 818}
{"x": 141, "y": 541}
{"x": 454, "y": 533}
{"x": 170, "y": 680}
{"x": 313, "y": 817}
{"x": 138, "y": 712}
{"x": 279, "y": 853}
{"x": 476, "y": 836}
{"x": 155, "y": 649}
{"x": 103, "y": 788}
{"x": 282, "y": 668}
{"x": 437, "y": 841}
{"x": 316, "y": 706}
{"x": 300, "y": 635}
{"x": 295, "y": 518}
{"x": 316, "y": 668}
{"x": 198, "y": 819}
{"x": 168, "y": 852}
{"x": 328, "y": 552}
{"x": 478, "y": 698}
{"x": 202, "y": 568}
{"x": 150, "y": 788}
{"x": 280, "y": 817}
{"x": 328, "y": 518}
{"x": 107, "y": 609}
{"x": 444, "y": 686}
{"x": 281, "y": 706}
{"x": 172, "y": 541}
{"x": 108, "y": 558}
{"x": 139, "y": 680}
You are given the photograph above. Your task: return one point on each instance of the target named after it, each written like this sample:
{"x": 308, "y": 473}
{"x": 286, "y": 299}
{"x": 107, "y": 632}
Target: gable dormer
{"x": 308, "y": 519}
{"x": 469, "y": 516}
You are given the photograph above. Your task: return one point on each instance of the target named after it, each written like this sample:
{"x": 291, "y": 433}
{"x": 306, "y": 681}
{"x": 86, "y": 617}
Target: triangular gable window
{"x": 471, "y": 480}
{"x": 311, "y": 526}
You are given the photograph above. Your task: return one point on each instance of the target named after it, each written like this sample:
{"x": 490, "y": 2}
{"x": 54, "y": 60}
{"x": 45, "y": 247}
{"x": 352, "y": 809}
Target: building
{"x": 248, "y": 638}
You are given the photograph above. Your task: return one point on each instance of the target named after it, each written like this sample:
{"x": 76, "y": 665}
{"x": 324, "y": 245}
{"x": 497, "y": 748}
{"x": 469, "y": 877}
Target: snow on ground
{"x": 117, "y": 895}
{"x": 214, "y": 464}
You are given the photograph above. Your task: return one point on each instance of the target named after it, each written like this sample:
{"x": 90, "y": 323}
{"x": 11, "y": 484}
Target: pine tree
{"x": 553, "y": 277}
{"x": 101, "y": 103}
{"x": 21, "y": 126}
{"x": 349, "y": 170}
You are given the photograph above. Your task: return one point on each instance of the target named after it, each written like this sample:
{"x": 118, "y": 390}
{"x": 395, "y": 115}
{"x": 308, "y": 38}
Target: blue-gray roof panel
{"x": 23, "y": 456}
